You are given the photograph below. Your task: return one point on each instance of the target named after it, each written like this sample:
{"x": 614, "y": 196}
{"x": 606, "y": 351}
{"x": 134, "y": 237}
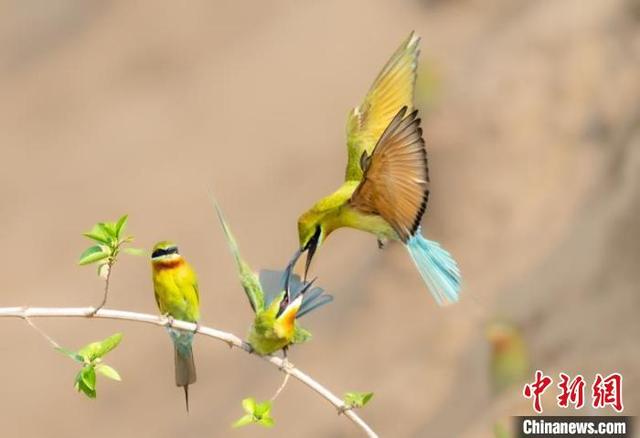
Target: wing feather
{"x": 392, "y": 90}
{"x": 395, "y": 184}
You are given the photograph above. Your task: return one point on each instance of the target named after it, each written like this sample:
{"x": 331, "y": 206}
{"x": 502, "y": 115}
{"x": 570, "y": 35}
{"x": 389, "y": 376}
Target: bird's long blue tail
{"x": 437, "y": 268}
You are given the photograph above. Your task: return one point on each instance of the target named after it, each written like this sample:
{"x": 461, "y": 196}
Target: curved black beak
{"x": 310, "y": 248}
{"x": 289, "y": 269}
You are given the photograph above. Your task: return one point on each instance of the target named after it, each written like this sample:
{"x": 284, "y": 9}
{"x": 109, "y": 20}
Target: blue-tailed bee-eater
{"x": 386, "y": 185}
{"x": 176, "y": 290}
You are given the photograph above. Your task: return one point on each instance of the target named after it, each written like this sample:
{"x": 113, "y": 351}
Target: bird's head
{"x": 312, "y": 231}
{"x": 280, "y": 315}
{"x": 502, "y": 335}
{"x": 164, "y": 253}
{"x": 285, "y": 307}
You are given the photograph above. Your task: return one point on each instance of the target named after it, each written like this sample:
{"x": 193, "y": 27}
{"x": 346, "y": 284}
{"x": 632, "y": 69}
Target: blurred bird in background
{"x": 386, "y": 186}
{"x": 509, "y": 357}
{"x": 176, "y": 290}
{"x": 278, "y": 300}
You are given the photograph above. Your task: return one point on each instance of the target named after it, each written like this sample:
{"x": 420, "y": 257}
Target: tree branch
{"x": 231, "y": 339}
{"x": 109, "y": 267}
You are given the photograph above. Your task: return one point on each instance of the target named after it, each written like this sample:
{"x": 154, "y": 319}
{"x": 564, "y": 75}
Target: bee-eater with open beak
{"x": 176, "y": 290}
{"x": 278, "y": 299}
{"x": 386, "y": 184}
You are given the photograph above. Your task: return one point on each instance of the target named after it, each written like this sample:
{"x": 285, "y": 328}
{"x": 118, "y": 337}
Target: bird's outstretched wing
{"x": 248, "y": 278}
{"x": 392, "y": 90}
{"x": 395, "y": 184}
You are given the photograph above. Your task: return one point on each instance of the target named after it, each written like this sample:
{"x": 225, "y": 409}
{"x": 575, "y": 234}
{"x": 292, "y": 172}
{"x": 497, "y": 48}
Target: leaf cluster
{"x": 109, "y": 241}
{"x": 90, "y": 356}
{"x": 255, "y": 413}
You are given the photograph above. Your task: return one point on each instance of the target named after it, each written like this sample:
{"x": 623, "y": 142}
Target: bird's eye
{"x": 283, "y": 305}
{"x": 365, "y": 160}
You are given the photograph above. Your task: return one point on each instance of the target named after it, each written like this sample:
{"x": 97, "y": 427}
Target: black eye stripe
{"x": 161, "y": 252}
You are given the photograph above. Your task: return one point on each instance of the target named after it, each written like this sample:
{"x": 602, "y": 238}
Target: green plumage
{"x": 274, "y": 326}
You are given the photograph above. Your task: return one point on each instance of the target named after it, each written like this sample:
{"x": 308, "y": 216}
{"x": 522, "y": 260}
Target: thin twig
{"x": 284, "y": 383}
{"x": 229, "y": 338}
{"x": 109, "y": 266}
{"x": 42, "y": 332}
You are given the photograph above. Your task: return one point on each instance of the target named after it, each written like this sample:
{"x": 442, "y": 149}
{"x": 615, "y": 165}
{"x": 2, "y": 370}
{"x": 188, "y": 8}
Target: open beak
{"x": 311, "y": 250}
{"x": 289, "y": 269}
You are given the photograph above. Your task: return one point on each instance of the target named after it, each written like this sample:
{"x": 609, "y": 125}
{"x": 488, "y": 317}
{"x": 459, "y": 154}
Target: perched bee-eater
{"x": 386, "y": 184}
{"x": 176, "y": 290}
{"x": 509, "y": 356}
{"x": 278, "y": 299}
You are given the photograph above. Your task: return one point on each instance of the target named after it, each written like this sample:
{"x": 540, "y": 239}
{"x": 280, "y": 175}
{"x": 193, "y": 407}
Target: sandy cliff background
{"x": 532, "y": 119}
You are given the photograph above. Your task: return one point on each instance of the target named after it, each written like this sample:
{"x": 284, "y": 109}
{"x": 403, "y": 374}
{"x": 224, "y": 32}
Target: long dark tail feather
{"x": 185, "y": 371}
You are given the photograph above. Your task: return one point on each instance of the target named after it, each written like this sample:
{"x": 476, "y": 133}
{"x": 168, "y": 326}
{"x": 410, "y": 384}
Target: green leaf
{"x": 109, "y": 229}
{"x": 97, "y": 350}
{"x": 243, "y": 421}
{"x": 98, "y": 234}
{"x": 262, "y": 409}
{"x": 86, "y": 381}
{"x": 81, "y": 387}
{"x": 108, "y": 372}
{"x": 266, "y": 421}
{"x": 258, "y": 413}
{"x": 93, "y": 254}
{"x": 72, "y": 354}
{"x": 134, "y": 251}
{"x": 122, "y": 222}
{"x": 88, "y": 376}
{"x": 249, "y": 405}
{"x": 357, "y": 399}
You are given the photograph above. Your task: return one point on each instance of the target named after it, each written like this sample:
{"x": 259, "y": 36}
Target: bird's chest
{"x": 270, "y": 336}
{"x": 171, "y": 297}
{"x": 369, "y": 222}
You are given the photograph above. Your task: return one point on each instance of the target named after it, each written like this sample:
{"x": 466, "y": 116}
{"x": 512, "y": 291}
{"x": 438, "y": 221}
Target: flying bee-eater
{"x": 176, "y": 290}
{"x": 278, "y": 299}
{"x": 386, "y": 185}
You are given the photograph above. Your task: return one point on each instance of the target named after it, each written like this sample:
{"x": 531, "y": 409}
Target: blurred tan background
{"x": 532, "y": 119}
